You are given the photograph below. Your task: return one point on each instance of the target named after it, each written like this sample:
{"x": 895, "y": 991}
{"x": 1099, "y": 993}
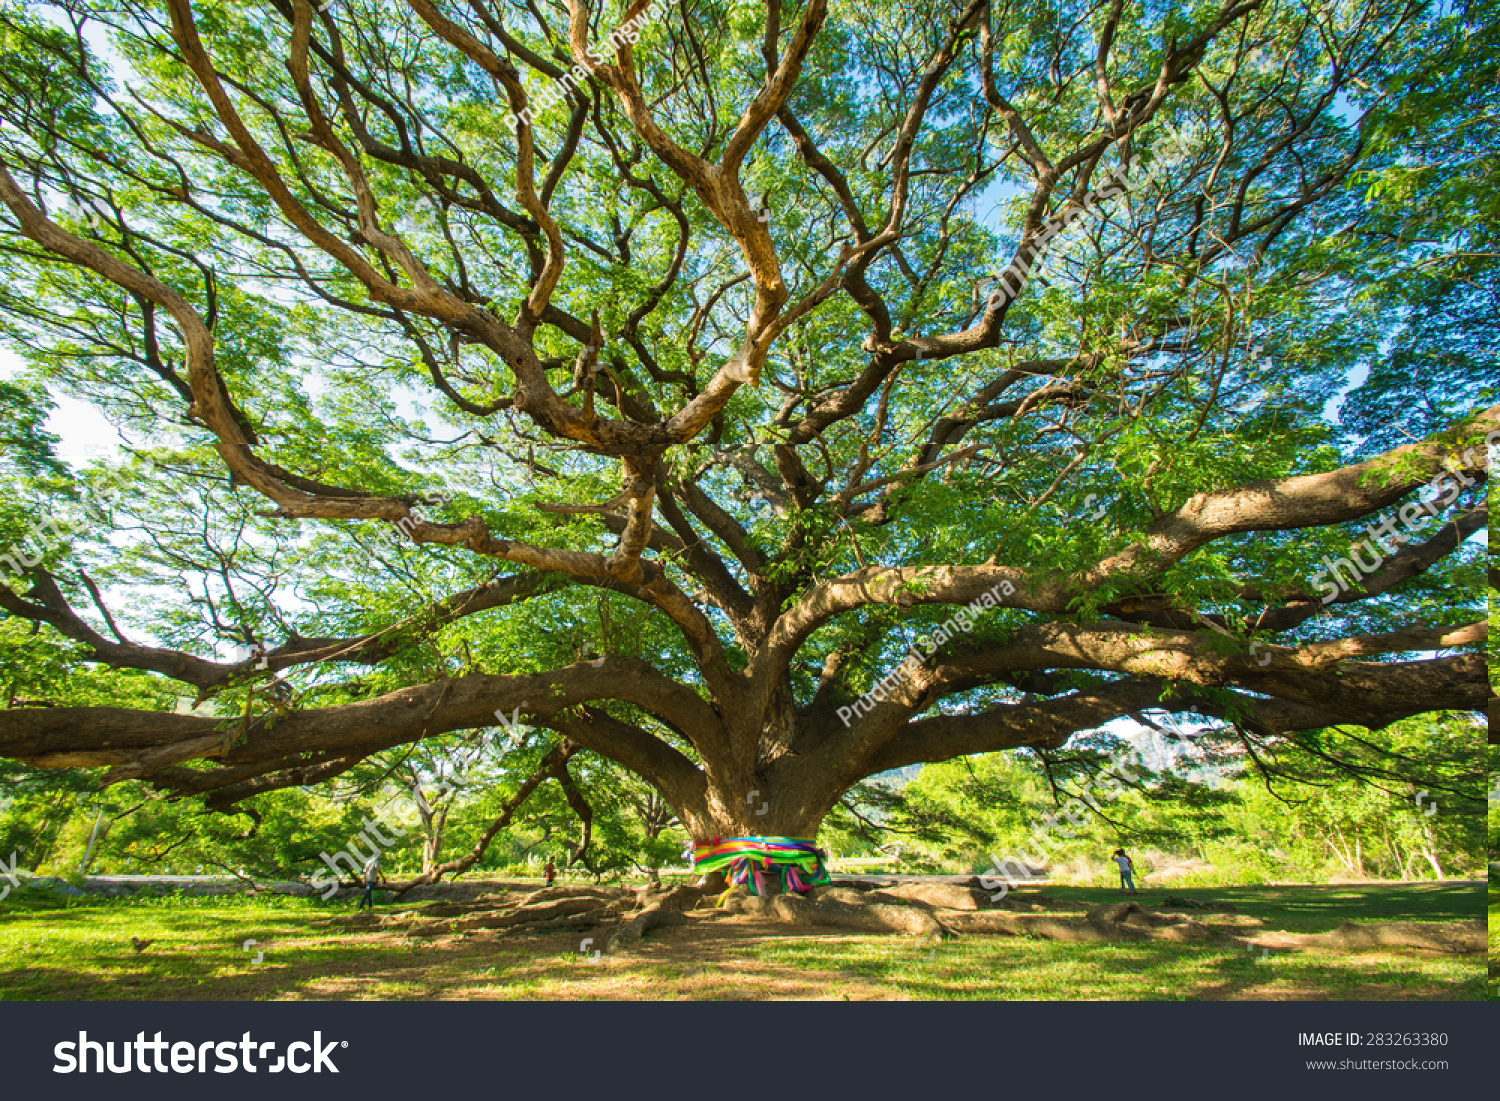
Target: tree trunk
{"x": 432, "y": 838}
{"x": 1395, "y": 851}
{"x": 88, "y": 853}
{"x": 760, "y": 781}
{"x": 1430, "y": 852}
{"x": 1340, "y": 849}
{"x": 764, "y": 809}
{"x": 756, "y": 811}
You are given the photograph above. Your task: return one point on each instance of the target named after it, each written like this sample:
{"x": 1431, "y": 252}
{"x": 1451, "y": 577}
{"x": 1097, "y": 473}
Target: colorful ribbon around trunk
{"x": 752, "y": 860}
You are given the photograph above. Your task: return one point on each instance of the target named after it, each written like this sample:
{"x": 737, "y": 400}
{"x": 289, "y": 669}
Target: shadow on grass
{"x": 83, "y": 952}
{"x": 1319, "y": 909}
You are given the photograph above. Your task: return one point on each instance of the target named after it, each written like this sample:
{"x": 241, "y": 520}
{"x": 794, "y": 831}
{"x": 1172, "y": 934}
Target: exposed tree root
{"x": 662, "y": 908}
{"x": 607, "y": 894}
{"x": 1458, "y": 937}
{"x": 1171, "y": 903}
{"x": 534, "y": 910}
{"x": 873, "y": 917}
{"x": 586, "y": 920}
{"x": 938, "y": 896}
{"x": 912, "y": 909}
{"x": 1026, "y": 925}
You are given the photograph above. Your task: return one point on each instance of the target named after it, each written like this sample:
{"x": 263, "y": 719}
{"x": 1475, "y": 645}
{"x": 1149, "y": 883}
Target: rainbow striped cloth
{"x": 800, "y": 863}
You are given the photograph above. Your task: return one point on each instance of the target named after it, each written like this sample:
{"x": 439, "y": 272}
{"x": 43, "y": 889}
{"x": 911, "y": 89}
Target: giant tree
{"x": 815, "y": 390}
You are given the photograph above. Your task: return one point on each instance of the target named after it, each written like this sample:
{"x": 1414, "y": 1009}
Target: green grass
{"x": 1315, "y": 909}
{"x": 1494, "y": 940}
{"x": 1009, "y": 969}
{"x": 54, "y": 948}
{"x": 50, "y": 946}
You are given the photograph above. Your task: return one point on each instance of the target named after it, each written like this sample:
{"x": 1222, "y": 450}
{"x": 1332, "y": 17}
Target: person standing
{"x": 1127, "y": 870}
{"x": 551, "y": 871}
{"x": 372, "y": 879}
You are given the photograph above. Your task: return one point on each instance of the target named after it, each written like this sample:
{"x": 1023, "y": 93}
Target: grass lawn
{"x": 80, "y": 949}
{"x": 1494, "y": 940}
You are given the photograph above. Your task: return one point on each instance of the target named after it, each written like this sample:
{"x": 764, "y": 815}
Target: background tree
{"x": 1291, "y": 812}
{"x": 724, "y": 428}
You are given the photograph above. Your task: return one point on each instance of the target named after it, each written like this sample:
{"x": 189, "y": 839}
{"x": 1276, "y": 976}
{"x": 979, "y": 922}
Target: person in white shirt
{"x": 372, "y": 878}
{"x": 1127, "y": 871}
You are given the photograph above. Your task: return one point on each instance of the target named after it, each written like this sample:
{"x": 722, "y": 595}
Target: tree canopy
{"x": 760, "y": 396}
